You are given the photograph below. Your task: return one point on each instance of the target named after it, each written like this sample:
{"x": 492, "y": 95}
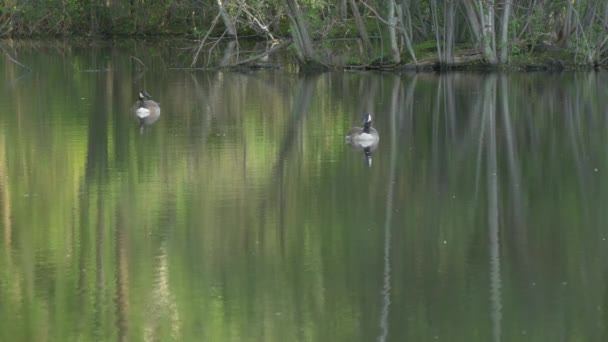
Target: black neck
{"x": 366, "y": 127}
{"x": 141, "y": 103}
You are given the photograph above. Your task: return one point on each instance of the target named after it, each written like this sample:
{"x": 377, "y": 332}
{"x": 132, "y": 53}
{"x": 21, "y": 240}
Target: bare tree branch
{"x": 198, "y": 51}
{"x": 14, "y": 60}
{"x": 139, "y": 61}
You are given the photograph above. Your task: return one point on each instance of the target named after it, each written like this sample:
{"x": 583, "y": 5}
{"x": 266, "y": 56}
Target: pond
{"x": 242, "y": 215}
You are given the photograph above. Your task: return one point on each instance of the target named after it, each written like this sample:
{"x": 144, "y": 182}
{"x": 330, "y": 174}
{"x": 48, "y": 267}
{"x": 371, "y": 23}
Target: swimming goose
{"x": 144, "y": 108}
{"x": 364, "y": 139}
{"x": 146, "y": 111}
{"x": 366, "y": 136}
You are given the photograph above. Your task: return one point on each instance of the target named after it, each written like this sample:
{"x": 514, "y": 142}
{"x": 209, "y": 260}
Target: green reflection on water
{"x": 241, "y": 214}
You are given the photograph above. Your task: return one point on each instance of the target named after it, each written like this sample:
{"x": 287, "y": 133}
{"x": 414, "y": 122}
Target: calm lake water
{"x": 242, "y": 215}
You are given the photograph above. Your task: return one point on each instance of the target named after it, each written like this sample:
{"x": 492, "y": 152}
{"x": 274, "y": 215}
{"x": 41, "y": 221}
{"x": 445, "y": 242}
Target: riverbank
{"x": 252, "y": 53}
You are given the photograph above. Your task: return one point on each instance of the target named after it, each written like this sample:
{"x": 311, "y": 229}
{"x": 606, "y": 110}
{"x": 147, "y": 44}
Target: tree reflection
{"x": 386, "y": 287}
{"x": 489, "y": 112}
{"x": 245, "y": 217}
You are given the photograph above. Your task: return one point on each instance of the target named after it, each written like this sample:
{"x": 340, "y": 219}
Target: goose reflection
{"x": 364, "y": 139}
{"x": 146, "y": 110}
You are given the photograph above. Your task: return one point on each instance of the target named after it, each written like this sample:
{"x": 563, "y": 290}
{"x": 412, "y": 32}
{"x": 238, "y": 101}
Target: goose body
{"x": 365, "y": 136}
{"x": 145, "y": 107}
{"x": 146, "y": 110}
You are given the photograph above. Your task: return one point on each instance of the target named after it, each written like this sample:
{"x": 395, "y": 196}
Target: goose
{"x": 364, "y": 137}
{"x": 146, "y": 110}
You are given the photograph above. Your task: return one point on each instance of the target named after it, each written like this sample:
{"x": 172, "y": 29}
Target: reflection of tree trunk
{"x": 386, "y": 287}
{"x": 5, "y": 197}
{"x": 95, "y": 174}
{"x": 162, "y": 304}
{"x": 489, "y": 110}
{"x": 228, "y": 53}
{"x": 96, "y": 166}
{"x": 301, "y": 106}
{"x": 450, "y": 101}
{"x": 97, "y": 147}
{"x": 513, "y": 165}
{"x": 367, "y": 93}
{"x": 210, "y": 105}
{"x": 100, "y": 298}
{"x": 479, "y": 125}
{"x": 575, "y": 138}
{"x": 436, "y": 141}
{"x": 122, "y": 275}
{"x": 408, "y": 108}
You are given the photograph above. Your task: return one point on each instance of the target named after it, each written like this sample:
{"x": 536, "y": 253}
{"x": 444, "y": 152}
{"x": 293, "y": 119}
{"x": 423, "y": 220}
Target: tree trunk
{"x": 433, "y": 6}
{"x": 563, "y": 40}
{"x": 367, "y": 45}
{"x": 450, "y": 28}
{"x": 504, "y": 31}
{"x": 343, "y": 9}
{"x": 473, "y": 20}
{"x": 392, "y": 20}
{"x": 482, "y": 24}
{"x": 487, "y": 22}
{"x": 230, "y": 27}
{"x": 403, "y": 13}
{"x": 301, "y": 37}
{"x": 589, "y": 14}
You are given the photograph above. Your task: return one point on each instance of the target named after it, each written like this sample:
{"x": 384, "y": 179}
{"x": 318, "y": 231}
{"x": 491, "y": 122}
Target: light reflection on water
{"x": 242, "y": 214}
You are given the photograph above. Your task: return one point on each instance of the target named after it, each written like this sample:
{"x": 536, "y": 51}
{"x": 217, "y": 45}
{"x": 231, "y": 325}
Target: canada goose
{"x": 364, "y": 139}
{"x": 146, "y": 110}
{"x": 366, "y": 136}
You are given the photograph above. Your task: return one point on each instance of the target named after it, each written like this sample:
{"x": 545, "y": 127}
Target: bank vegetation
{"x": 389, "y": 34}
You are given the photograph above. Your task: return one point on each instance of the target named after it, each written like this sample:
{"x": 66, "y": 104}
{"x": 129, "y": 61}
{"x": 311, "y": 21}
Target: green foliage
{"x": 67, "y": 17}
{"x": 425, "y": 49}
{"x": 425, "y": 46}
{"x": 529, "y": 29}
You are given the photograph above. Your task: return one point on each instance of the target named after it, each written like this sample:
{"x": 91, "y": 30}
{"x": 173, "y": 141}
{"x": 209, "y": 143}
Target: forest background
{"x": 389, "y": 33}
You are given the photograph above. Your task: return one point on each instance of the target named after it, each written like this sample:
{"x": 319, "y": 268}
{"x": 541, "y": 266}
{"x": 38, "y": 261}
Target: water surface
{"x": 242, "y": 215}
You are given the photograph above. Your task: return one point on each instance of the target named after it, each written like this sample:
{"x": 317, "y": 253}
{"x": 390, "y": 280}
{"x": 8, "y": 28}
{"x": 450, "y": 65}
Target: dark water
{"x": 242, "y": 215}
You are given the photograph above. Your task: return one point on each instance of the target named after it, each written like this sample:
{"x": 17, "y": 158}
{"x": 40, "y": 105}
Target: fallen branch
{"x": 260, "y": 56}
{"x": 96, "y": 70}
{"x": 14, "y": 60}
{"x": 140, "y": 62}
{"x": 198, "y": 51}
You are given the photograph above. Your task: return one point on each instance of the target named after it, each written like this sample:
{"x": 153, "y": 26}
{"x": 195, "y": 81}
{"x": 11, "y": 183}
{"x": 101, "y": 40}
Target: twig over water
{"x": 140, "y": 62}
{"x": 14, "y": 60}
